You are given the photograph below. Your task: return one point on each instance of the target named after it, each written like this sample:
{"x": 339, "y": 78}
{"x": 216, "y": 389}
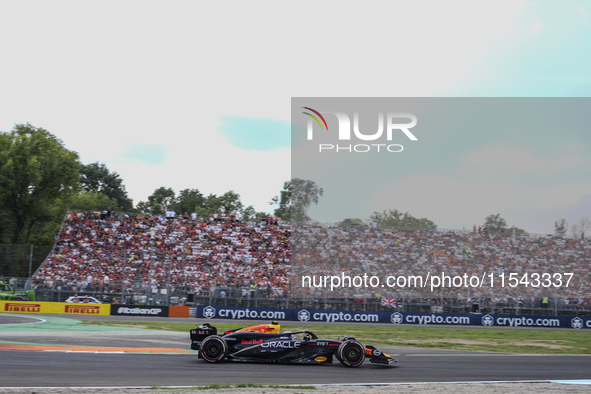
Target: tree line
{"x": 40, "y": 180}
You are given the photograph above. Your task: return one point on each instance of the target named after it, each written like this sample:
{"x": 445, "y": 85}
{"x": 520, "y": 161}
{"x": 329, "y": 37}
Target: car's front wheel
{"x": 213, "y": 349}
{"x": 351, "y": 353}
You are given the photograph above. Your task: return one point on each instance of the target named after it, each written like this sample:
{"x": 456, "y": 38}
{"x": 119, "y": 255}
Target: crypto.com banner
{"x": 304, "y": 315}
{"x": 441, "y": 197}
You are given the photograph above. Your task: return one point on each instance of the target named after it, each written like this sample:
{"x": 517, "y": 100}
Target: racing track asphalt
{"x": 78, "y": 369}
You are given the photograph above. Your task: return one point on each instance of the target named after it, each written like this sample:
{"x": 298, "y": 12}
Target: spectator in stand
{"x": 114, "y": 253}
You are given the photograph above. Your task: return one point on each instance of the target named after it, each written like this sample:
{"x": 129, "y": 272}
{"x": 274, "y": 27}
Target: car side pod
{"x": 213, "y": 349}
{"x": 351, "y": 353}
{"x": 377, "y": 356}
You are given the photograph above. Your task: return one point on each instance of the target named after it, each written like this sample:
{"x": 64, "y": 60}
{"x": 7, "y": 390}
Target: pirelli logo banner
{"x": 62, "y": 308}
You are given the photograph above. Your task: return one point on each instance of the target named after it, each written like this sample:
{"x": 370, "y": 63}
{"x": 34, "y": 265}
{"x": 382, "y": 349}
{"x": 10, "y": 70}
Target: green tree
{"x": 230, "y": 202}
{"x": 581, "y": 227}
{"x": 393, "y": 219}
{"x": 161, "y": 200}
{"x": 295, "y": 199}
{"x": 188, "y": 200}
{"x": 212, "y": 203}
{"x": 36, "y": 172}
{"x": 350, "y": 222}
{"x": 144, "y": 207}
{"x": 249, "y": 214}
{"x": 97, "y": 177}
{"x": 92, "y": 201}
{"x": 283, "y": 211}
{"x": 560, "y": 228}
{"x": 494, "y": 223}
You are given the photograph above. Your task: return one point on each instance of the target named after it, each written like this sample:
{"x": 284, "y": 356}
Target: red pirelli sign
{"x": 54, "y": 307}
{"x": 27, "y": 307}
{"x": 83, "y": 309}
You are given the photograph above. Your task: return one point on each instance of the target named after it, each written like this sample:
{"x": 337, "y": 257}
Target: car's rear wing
{"x": 201, "y": 332}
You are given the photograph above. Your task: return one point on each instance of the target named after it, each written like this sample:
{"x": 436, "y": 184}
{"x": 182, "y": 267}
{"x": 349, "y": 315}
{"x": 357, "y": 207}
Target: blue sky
{"x": 166, "y": 96}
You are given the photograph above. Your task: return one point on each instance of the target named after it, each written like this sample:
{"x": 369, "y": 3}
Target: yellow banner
{"x": 61, "y": 308}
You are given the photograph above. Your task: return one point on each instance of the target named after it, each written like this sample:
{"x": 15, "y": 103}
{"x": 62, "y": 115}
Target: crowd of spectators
{"x": 320, "y": 251}
{"x": 157, "y": 254}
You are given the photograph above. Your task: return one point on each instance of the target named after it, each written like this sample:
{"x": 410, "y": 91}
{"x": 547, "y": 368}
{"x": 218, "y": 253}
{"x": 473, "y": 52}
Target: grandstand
{"x": 151, "y": 259}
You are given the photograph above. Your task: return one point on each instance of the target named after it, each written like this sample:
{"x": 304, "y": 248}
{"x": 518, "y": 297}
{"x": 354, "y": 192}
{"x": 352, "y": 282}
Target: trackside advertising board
{"x": 150, "y": 310}
{"x": 139, "y": 310}
{"x": 303, "y": 315}
{"x": 62, "y": 308}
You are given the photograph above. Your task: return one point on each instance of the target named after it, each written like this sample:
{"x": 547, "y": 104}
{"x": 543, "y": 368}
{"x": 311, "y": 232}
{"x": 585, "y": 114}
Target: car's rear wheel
{"x": 214, "y": 349}
{"x": 351, "y": 353}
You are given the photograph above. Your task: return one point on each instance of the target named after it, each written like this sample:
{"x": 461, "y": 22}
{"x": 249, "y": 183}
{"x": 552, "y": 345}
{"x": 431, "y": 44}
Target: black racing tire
{"x": 351, "y": 353}
{"x": 213, "y": 349}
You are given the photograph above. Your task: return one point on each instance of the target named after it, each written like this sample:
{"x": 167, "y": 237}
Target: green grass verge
{"x": 489, "y": 340}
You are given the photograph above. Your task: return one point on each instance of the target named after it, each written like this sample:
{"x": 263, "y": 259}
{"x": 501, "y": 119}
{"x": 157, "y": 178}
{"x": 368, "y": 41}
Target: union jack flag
{"x": 389, "y": 302}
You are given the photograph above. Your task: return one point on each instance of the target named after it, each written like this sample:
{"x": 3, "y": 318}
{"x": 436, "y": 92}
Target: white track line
{"x": 581, "y": 381}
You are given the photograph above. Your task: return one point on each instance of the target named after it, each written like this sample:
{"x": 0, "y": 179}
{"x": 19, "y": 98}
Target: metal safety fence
{"x": 259, "y": 298}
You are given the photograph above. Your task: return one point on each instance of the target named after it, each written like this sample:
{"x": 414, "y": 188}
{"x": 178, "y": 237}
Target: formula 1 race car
{"x": 265, "y": 343}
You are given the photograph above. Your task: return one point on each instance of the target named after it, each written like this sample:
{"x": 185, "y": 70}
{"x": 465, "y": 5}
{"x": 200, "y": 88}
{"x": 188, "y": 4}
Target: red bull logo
{"x": 22, "y": 307}
{"x": 252, "y": 342}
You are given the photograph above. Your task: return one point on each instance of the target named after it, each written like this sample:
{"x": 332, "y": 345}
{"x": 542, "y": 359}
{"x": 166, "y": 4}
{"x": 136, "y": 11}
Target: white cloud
{"x": 583, "y": 13}
{"x": 106, "y": 75}
{"x": 536, "y": 27}
{"x": 501, "y": 159}
{"x": 574, "y": 79}
{"x": 458, "y": 202}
